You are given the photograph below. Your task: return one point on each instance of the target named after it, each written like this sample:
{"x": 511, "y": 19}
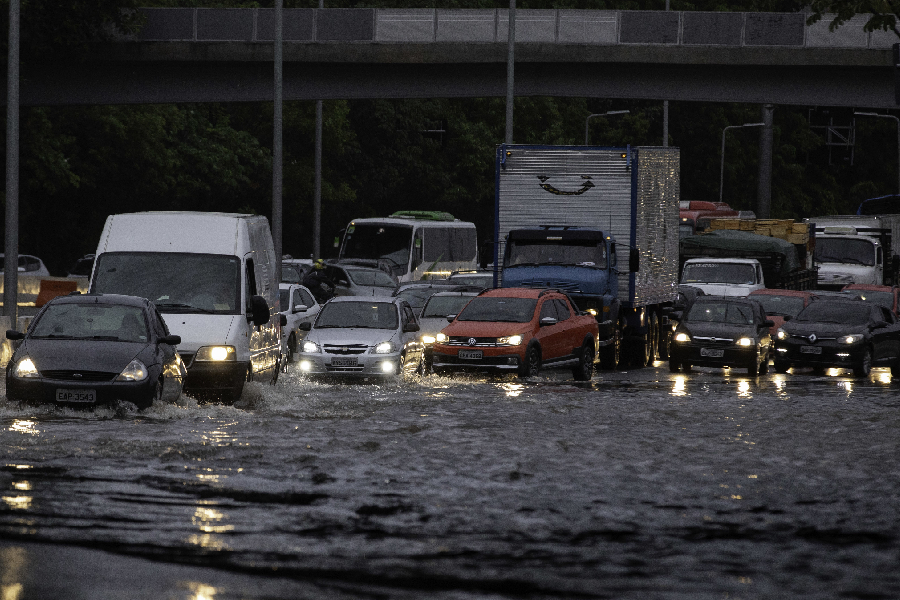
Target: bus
{"x": 413, "y": 244}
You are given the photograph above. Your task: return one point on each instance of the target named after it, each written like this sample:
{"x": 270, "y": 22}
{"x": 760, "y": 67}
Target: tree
{"x": 883, "y": 14}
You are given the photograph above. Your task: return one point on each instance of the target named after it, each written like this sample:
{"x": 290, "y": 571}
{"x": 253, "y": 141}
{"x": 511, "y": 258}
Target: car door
{"x": 173, "y": 369}
{"x": 570, "y": 335}
{"x": 550, "y": 335}
{"x": 305, "y": 297}
{"x": 410, "y": 339}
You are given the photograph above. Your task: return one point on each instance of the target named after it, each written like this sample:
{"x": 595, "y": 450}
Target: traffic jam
{"x": 577, "y": 279}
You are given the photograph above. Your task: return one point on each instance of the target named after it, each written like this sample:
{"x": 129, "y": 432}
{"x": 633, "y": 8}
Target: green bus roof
{"x": 425, "y": 215}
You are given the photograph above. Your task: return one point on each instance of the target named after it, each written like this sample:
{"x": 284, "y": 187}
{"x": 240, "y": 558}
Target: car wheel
{"x": 653, "y": 340}
{"x": 764, "y": 365}
{"x": 865, "y": 365}
{"x": 291, "y": 348}
{"x": 674, "y": 366}
{"x": 781, "y": 367}
{"x": 585, "y": 369}
{"x": 753, "y": 368}
{"x": 895, "y": 369}
{"x": 686, "y": 366}
{"x": 532, "y": 365}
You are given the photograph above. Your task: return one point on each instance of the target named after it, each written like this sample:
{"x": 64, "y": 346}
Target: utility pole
{"x": 277, "y": 146}
{"x": 317, "y": 184}
{"x": 510, "y": 70}
{"x": 11, "y": 257}
{"x": 766, "y": 140}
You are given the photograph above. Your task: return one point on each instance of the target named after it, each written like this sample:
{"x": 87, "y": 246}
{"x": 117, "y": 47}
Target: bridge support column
{"x": 766, "y": 140}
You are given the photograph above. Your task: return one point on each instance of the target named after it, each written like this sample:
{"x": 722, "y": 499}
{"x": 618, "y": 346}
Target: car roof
{"x": 454, "y": 294}
{"x": 101, "y": 299}
{"x": 534, "y": 293}
{"x": 870, "y": 287}
{"x": 388, "y": 299}
{"x": 779, "y": 292}
{"x": 729, "y": 299}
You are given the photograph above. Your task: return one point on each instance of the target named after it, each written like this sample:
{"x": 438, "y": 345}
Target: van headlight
{"x": 26, "y": 368}
{"x": 745, "y": 341}
{"x": 216, "y": 353}
{"x": 135, "y": 371}
{"x": 428, "y": 339}
{"x": 850, "y": 339}
{"x": 682, "y": 337}
{"x": 310, "y": 347}
{"x": 512, "y": 340}
{"x": 383, "y": 348}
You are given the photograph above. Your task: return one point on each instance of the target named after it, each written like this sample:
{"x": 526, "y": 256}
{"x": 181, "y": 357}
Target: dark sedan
{"x": 719, "y": 332}
{"x": 849, "y": 334}
{"x": 85, "y": 350}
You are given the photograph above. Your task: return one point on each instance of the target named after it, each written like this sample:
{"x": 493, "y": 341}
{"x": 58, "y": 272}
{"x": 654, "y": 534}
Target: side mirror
{"x": 769, "y": 323}
{"x": 12, "y": 334}
{"x": 259, "y": 311}
{"x": 410, "y": 328}
{"x": 787, "y": 318}
{"x": 548, "y": 321}
{"x": 879, "y": 324}
{"x": 282, "y": 319}
{"x": 307, "y": 326}
{"x": 301, "y": 308}
{"x": 451, "y": 318}
{"x": 634, "y": 260}
{"x": 172, "y": 340}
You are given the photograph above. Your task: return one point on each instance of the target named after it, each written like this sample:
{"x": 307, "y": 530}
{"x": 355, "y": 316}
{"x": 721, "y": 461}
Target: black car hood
{"x": 828, "y": 330}
{"x": 719, "y": 330}
{"x": 87, "y": 355}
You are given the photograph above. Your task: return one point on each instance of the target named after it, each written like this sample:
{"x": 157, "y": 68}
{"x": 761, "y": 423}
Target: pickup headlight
{"x": 512, "y": 340}
{"x": 216, "y": 353}
{"x": 682, "y": 337}
{"x": 383, "y": 348}
{"x": 310, "y": 347}
{"x": 135, "y": 371}
{"x": 428, "y": 339}
{"x": 440, "y": 338}
{"x": 781, "y": 334}
{"x": 745, "y": 341}
{"x": 26, "y": 368}
{"x": 850, "y": 339}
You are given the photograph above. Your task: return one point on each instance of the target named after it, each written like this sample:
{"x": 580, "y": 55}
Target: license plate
{"x": 810, "y": 349}
{"x": 76, "y": 396}
{"x": 712, "y": 352}
{"x": 343, "y": 362}
{"x": 471, "y": 354}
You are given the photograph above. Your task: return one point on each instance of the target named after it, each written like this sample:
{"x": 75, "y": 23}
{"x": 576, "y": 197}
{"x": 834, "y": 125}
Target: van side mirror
{"x": 769, "y": 323}
{"x": 172, "y": 340}
{"x": 787, "y": 318}
{"x": 12, "y": 334}
{"x": 305, "y": 326}
{"x": 259, "y": 311}
{"x": 282, "y": 319}
{"x": 410, "y": 328}
{"x": 634, "y": 260}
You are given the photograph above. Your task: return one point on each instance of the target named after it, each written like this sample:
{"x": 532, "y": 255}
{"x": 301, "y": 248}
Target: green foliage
{"x": 882, "y": 14}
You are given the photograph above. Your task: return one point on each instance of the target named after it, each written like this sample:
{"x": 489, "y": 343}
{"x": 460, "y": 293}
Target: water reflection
{"x": 201, "y": 591}
{"x": 513, "y": 390}
{"x": 220, "y": 436}
{"x": 678, "y": 386}
{"x": 17, "y": 502}
{"x": 744, "y": 389}
{"x": 25, "y": 426}
{"x": 847, "y": 385}
{"x": 12, "y": 570}
{"x": 209, "y": 520}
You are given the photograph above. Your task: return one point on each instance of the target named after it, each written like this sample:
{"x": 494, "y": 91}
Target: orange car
{"x": 885, "y": 295}
{"x": 518, "y": 329}
{"x": 781, "y": 303}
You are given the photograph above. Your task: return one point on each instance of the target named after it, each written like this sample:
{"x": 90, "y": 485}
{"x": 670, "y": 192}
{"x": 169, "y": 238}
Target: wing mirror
{"x": 451, "y": 318}
{"x": 410, "y": 328}
{"x": 787, "y": 318}
{"x": 769, "y": 323}
{"x": 301, "y": 308}
{"x": 879, "y": 324}
{"x": 259, "y": 311}
{"x": 307, "y": 326}
{"x": 172, "y": 340}
{"x": 548, "y": 321}
{"x": 12, "y": 334}
{"x": 282, "y": 319}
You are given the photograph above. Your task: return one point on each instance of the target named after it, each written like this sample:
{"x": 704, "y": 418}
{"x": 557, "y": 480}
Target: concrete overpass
{"x": 225, "y": 55}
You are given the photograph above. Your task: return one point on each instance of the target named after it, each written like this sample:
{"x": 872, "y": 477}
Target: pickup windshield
{"x": 843, "y": 250}
{"x": 509, "y": 310}
{"x": 728, "y": 273}
{"x": 176, "y": 282}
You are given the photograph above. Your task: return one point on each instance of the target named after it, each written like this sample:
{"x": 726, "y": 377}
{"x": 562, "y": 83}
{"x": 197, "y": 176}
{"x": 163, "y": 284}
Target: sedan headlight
{"x": 383, "y": 348}
{"x": 440, "y": 338}
{"x": 216, "y": 353}
{"x": 135, "y": 371}
{"x": 781, "y": 334}
{"x": 850, "y": 339}
{"x": 26, "y": 368}
{"x": 682, "y": 337}
{"x": 512, "y": 340}
{"x": 745, "y": 341}
{"x": 428, "y": 339}
{"x": 310, "y": 346}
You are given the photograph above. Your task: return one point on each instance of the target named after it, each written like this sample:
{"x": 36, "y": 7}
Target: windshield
{"x": 512, "y": 310}
{"x": 175, "y": 282}
{"x": 846, "y": 313}
{"x": 371, "y": 277}
{"x": 441, "y": 306}
{"x": 843, "y": 250}
{"x": 111, "y": 322}
{"x": 721, "y": 312}
{"x": 373, "y": 241}
{"x": 291, "y": 273}
{"x": 371, "y": 315}
{"x": 882, "y": 298}
{"x": 779, "y": 305}
{"x": 417, "y": 296}
{"x": 578, "y": 252}
{"x": 733, "y": 273}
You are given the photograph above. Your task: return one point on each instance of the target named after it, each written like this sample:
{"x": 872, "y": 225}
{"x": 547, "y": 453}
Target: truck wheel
{"x": 585, "y": 369}
{"x": 654, "y": 337}
{"x": 611, "y": 355}
{"x": 532, "y": 365}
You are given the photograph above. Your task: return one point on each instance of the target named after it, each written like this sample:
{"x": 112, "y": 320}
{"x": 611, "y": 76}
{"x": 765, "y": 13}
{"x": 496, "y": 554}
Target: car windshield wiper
{"x": 180, "y": 305}
{"x": 55, "y": 336}
{"x": 111, "y": 338}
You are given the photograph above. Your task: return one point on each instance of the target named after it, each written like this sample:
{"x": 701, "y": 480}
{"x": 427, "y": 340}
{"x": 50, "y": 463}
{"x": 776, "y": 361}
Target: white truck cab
{"x": 848, "y": 254}
{"x": 724, "y": 276}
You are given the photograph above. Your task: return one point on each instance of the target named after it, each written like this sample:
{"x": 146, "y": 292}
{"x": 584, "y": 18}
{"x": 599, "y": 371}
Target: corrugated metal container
{"x": 632, "y": 193}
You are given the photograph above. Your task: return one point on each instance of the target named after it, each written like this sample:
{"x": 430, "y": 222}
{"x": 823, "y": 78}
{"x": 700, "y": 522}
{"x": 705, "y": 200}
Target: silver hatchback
{"x": 355, "y": 336}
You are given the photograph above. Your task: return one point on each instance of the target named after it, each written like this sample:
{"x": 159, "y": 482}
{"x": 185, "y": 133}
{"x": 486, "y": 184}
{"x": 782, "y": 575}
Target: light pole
{"x": 869, "y": 114}
{"x": 722, "y": 164}
{"x": 606, "y": 114}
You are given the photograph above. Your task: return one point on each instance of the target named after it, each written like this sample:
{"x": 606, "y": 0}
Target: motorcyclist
{"x": 317, "y": 282}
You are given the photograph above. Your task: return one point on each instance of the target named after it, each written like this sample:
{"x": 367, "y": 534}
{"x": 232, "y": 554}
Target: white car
{"x": 28, "y": 265}
{"x": 362, "y": 337}
{"x": 298, "y": 306}
{"x": 433, "y": 317}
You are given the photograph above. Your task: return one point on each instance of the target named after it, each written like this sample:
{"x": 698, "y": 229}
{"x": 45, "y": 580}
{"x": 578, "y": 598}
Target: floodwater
{"x": 638, "y": 484}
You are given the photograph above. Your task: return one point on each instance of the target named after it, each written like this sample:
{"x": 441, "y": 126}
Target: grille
{"x": 460, "y": 340}
{"x": 716, "y": 341}
{"x": 566, "y": 286}
{"x": 355, "y": 369}
{"x": 348, "y": 349}
{"x": 79, "y": 375}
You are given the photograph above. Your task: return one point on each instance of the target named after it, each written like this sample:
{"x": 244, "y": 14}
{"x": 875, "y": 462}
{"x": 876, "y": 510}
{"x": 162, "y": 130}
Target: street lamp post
{"x": 870, "y": 114}
{"x": 722, "y": 162}
{"x": 606, "y": 114}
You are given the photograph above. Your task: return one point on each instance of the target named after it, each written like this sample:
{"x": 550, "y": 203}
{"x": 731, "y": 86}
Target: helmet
{"x": 319, "y": 264}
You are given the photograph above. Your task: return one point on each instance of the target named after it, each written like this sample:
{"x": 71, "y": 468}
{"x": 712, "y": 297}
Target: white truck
{"x": 724, "y": 276}
{"x": 855, "y": 249}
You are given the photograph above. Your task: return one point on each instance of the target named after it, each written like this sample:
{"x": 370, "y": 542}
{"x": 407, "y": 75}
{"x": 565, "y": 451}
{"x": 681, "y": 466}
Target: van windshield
{"x": 176, "y": 282}
{"x": 375, "y": 241}
{"x": 721, "y": 272}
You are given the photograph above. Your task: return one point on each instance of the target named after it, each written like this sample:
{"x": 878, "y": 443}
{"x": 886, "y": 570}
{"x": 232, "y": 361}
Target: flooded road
{"x": 638, "y": 484}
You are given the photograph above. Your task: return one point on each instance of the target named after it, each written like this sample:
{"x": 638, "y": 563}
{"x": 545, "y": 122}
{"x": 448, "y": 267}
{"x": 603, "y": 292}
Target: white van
{"x": 212, "y": 276}
{"x": 413, "y": 244}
